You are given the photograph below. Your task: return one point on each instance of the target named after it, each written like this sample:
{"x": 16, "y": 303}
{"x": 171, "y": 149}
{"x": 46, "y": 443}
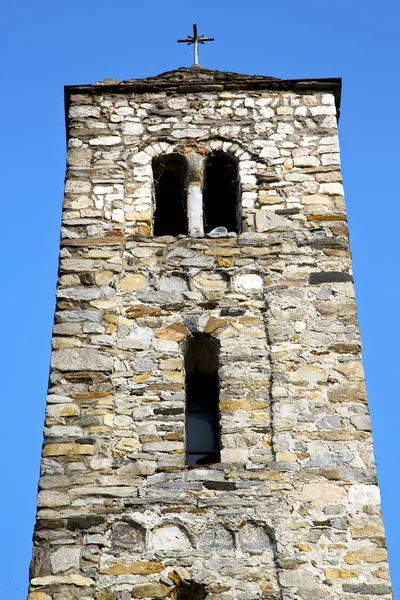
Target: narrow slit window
{"x": 202, "y": 400}
{"x": 221, "y": 197}
{"x": 169, "y": 173}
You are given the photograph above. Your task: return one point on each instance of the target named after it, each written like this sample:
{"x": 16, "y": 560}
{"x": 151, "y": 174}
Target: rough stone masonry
{"x": 292, "y": 510}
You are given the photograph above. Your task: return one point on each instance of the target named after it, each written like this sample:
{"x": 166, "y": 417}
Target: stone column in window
{"x": 195, "y": 195}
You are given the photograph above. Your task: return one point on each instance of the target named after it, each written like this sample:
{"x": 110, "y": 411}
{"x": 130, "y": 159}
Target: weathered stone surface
{"x": 65, "y": 558}
{"x": 365, "y": 588}
{"x": 105, "y": 141}
{"x": 364, "y": 494}
{"x": 368, "y": 555}
{"x": 349, "y": 392}
{"x": 143, "y": 365}
{"x": 127, "y": 535}
{"x": 135, "y": 568}
{"x": 161, "y": 299}
{"x": 323, "y": 492}
{"x": 308, "y": 375}
{"x": 170, "y": 538}
{"x": 151, "y": 590}
{"x": 85, "y": 522}
{"x": 39, "y": 596}
{"x": 142, "y": 336}
{"x": 217, "y": 540}
{"x": 287, "y": 506}
{"x": 361, "y": 422}
{"x": 133, "y": 282}
{"x": 67, "y": 449}
{"x": 173, "y": 283}
{"x": 107, "y": 594}
{"x": 254, "y": 540}
{"x": 50, "y": 498}
{"x": 351, "y": 370}
{"x": 250, "y": 283}
{"x": 329, "y": 277}
{"x": 215, "y": 326}
{"x": 175, "y": 332}
{"x": 334, "y": 574}
{"x": 72, "y": 579}
{"x": 268, "y": 221}
{"x": 81, "y": 359}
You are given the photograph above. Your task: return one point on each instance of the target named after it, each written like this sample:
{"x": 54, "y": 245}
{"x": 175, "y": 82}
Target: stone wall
{"x": 292, "y": 510}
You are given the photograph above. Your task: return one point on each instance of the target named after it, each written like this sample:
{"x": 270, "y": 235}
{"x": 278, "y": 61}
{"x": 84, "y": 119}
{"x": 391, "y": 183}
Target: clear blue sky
{"x": 45, "y": 45}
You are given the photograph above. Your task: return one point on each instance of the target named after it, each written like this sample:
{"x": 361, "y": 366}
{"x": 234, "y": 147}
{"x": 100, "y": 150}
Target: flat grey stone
{"x": 79, "y": 315}
{"x": 198, "y": 261}
{"x": 378, "y": 589}
{"x": 162, "y": 298}
{"x": 361, "y": 422}
{"x": 143, "y": 365}
{"x": 66, "y": 557}
{"x": 218, "y": 539}
{"x": 180, "y": 253}
{"x": 332, "y": 422}
{"x": 173, "y": 283}
{"x": 81, "y": 359}
{"x": 254, "y": 540}
{"x": 81, "y": 293}
{"x": 329, "y": 460}
{"x": 269, "y": 221}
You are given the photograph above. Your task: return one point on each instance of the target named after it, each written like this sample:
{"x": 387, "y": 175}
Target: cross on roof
{"x": 196, "y": 40}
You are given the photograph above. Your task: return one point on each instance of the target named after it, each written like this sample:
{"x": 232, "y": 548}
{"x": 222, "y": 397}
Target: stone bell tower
{"x": 207, "y": 431}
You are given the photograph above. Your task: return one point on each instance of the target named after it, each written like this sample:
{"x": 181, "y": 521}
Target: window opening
{"x": 221, "y": 195}
{"x": 202, "y": 395}
{"x": 191, "y": 590}
{"x": 169, "y": 172}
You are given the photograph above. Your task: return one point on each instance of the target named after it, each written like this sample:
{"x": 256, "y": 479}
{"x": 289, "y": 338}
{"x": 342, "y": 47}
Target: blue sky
{"x": 45, "y": 45}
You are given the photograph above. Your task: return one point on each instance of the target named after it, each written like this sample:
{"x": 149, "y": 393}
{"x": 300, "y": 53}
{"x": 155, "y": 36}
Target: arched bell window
{"x": 221, "y": 194}
{"x": 202, "y": 400}
{"x": 170, "y": 174}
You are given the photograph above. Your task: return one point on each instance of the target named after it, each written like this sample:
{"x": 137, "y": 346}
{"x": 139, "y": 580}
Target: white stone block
{"x": 269, "y": 152}
{"x": 364, "y": 494}
{"x": 77, "y": 186}
{"x": 84, "y": 111}
{"x": 142, "y": 334}
{"x": 107, "y": 140}
{"x": 129, "y": 128}
{"x": 141, "y": 158}
{"x": 330, "y": 159}
{"x": 328, "y": 99}
{"x": 234, "y": 455}
{"x": 331, "y": 188}
{"x": 248, "y": 283}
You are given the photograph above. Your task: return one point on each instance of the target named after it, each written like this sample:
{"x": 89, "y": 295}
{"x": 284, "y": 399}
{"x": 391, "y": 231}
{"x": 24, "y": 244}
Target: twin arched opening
{"x": 174, "y": 174}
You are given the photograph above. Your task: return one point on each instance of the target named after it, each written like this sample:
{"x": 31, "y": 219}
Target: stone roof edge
{"x": 150, "y": 85}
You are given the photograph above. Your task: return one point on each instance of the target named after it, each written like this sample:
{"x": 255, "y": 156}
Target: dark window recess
{"x": 221, "y": 194}
{"x": 191, "y": 590}
{"x": 169, "y": 173}
{"x": 202, "y": 392}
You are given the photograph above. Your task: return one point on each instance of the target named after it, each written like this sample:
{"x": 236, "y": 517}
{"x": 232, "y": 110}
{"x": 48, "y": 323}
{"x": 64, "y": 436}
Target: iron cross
{"x": 196, "y": 40}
